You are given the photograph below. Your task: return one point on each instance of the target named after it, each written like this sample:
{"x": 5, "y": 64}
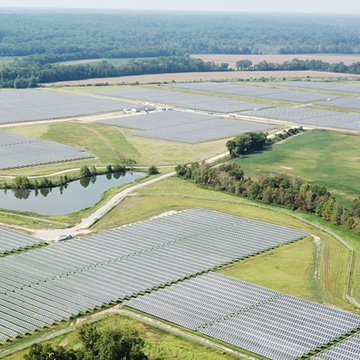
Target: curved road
{"x": 98, "y": 214}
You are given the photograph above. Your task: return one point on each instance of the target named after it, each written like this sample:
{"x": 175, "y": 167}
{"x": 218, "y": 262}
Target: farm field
{"x": 278, "y": 58}
{"x": 304, "y": 156}
{"x": 205, "y": 76}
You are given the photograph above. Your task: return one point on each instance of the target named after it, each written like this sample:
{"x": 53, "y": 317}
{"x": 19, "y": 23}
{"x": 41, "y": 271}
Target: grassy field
{"x": 158, "y": 343}
{"x": 309, "y": 156}
{"x": 314, "y": 271}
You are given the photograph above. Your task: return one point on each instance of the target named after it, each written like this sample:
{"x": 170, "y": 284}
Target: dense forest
{"x": 161, "y": 42}
{"x": 53, "y": 36}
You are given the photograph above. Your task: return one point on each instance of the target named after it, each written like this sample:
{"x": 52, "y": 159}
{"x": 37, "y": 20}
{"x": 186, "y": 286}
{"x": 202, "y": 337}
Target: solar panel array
{"x": 185, "y": 127}
{"x": 257, "y": 91}
{"x": 30, "y": 105}
{"x": 333, "y": 86}
{"x": 346, "y": 103}
{"x": 305, "y": 116}
{"x": 71, "y": 277}
{"x": 349, "y": 349}
{"x": 19, "y": 151}
{"x": 189, "y": 101}
{"x": 13, "y": 240}
{"x": 248, "y": 316}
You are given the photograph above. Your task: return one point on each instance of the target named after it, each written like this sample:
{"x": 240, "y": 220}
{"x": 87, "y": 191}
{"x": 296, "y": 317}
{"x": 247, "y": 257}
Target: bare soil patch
{"x": 199, "y": 76}
{"x": 279, "y": 58}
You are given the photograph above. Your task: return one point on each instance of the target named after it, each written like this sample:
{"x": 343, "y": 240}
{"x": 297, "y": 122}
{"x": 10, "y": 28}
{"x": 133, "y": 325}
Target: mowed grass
{"x": 316, "y": 272}
{"x": 323, "y": 157}
{"x": 111, "y": 143}
{"x": 159, "y": 344}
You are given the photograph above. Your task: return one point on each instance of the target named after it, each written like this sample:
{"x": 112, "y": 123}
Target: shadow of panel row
{"x": 72, "y": 277}
{"x": 248, "y": 316}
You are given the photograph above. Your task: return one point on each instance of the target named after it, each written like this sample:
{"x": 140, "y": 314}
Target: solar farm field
{"x": 189, "y": 101}
{"x": 251, "y": 317}
{"x": 32, "y": 105}
{"x": 11, "y": 240}
{"x": 333, "y": 86}
{"x": 19, "y": 151}
{"x": 106, "y": 267}
{"x": 257, "y": 91}
{"x": 346, "y": 103}
{"x": 304, "y": 156}
{"x": 306, "y": 116}
{"x": 185, "y": 127}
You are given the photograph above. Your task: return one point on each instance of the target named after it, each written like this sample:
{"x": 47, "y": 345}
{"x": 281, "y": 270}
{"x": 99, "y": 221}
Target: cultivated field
{"x": 304, "y": 156}
{"x": 204, "y": 76}
{"x": 278, "y": 58}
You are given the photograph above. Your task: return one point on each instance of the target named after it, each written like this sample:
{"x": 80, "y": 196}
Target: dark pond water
{"x": 74, "y": 196}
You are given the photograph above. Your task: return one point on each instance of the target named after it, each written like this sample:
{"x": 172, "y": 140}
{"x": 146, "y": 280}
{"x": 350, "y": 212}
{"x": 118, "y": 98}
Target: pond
{"x": 63, "y": 200}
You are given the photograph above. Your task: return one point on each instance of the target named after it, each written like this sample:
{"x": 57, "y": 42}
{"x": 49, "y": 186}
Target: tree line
{"x": 250, "y": 142}
{"x": 293, "y": 193}
{"x": 26, "y": 73}
{"x": 296, "y": 64}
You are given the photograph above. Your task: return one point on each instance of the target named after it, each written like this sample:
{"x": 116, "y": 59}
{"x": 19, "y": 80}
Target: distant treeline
{"x": 296, "y": 64}
{"x": 25, "y": 73}
{"x": 293, "y": 193}
{"x": 54, "y": 36}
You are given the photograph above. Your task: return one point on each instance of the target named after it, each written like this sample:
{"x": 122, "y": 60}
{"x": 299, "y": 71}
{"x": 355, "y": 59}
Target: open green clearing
{"x": 158, "y": 343}
{"x": 323, "y": 157}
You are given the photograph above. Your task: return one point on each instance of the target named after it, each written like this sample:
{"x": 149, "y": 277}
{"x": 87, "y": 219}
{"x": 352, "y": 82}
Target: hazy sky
{"x": 301, "y": 6}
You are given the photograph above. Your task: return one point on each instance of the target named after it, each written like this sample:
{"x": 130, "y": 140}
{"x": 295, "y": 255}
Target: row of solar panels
{"x": 11, "y": 240}
{"x": 19, "y": 151}
{"x": 71, "y": 277}
{"x": 257, "y": 319}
